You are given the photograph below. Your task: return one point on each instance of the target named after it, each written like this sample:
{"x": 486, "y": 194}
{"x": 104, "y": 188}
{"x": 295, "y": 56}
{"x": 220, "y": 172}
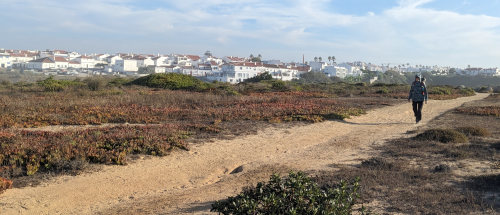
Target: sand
{"x": 189, "y": 181}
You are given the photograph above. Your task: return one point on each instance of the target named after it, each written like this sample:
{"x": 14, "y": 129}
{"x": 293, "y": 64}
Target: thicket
{"x": 295, "y": 194}
{"x": 171, "y": 81}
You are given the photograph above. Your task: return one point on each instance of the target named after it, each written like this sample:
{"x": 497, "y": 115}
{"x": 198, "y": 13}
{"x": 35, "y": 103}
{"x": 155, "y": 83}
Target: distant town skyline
{"x": 429, "y": 32}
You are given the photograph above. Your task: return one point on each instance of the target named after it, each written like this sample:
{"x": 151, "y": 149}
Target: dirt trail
{"x": 187, "y": 182}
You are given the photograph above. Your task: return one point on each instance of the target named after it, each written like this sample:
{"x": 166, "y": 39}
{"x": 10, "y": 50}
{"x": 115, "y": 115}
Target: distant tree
{"x": 259, "y": 56}
{"x": 452, "y": 71}
{"x": 147, "y": 70}
{"x": 251, "y": 56}
{"x": 261, "y": 77}
{"x": 208, "y": 54}
{"x": 333, "y": 59}
{"x": 315, "y": 59}
{"x": 329, "y": 58}
{"x": 314, "y": 77}
{"x": 320, "y": 59}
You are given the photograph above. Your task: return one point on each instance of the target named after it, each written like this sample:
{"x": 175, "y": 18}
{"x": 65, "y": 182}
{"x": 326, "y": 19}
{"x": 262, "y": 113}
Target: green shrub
{"x": 473, "y": 131}
{"x": 261, "y": 77}
{"x": 279, "y": 85}
{"x": 467, "y": 91}
{"x": 442, "y": 135}
{"x": 95, "y": 83}
{"x": 117, "y": 82}
{"x": 440, "y": 91}
{"x": 52, "y": 85}
{"x": 172, "y": 81}
{"x": 384, "y": 90}
{"x": 295, "y": 194}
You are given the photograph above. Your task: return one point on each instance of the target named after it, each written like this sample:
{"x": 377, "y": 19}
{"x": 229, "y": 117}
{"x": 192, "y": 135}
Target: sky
{"x": 420, "y": 32}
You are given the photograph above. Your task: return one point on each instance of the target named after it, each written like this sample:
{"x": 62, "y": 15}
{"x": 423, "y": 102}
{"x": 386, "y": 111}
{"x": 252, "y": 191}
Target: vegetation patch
{"x": 473, "y": 131}
{"x": 295, "y": 194}
{"x": 171, "y": 81}
{"x": 480, "y": 110}
{"x": 5, "y": 184}
{"x": 28, "y": 152}
{"x": 442, "y": 135}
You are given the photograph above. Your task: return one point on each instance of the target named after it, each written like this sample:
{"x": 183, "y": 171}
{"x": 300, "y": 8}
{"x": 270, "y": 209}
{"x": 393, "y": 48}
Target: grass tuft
{"x": 442, "y": 135}
{"x": 473, "y": 131}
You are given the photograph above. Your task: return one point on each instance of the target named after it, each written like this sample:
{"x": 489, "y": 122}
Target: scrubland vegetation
{"x": 158, "y": 113}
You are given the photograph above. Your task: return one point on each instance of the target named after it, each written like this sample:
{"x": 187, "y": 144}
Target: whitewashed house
{"x": 337, "y": 71}
{"x": 60, "y": 62}
{"x": 126, "y": 65}
{"x": 317, "y": 66}
{"x": 41, "y": 64}
{"x": 160, "y": 61}
{"x": 112, "y": 59}
{"x": 86, "y": 62}
{"x": 74, "y": 65}
{"x": 5, "y": 60}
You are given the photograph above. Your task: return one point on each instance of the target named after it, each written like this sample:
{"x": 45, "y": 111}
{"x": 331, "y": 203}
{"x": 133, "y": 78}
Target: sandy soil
{"x": 188, "y": 182}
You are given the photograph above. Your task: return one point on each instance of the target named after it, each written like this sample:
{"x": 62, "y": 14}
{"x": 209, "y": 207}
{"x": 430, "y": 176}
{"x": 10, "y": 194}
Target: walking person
{"x": 418, "y": 94}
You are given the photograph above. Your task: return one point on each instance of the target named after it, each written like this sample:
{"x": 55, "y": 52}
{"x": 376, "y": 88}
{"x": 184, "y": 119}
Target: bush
{"x": 172, "y": 81}
{"x": 440, "y": 91}
{"x": 473, "y": 131}
{"x": 52, "y": 85}
{"x": 261, "y": 77}
{"x": 279, "y": 85}
{"x": 442, "y": 135}
{"x": 384, "y": 90}
{"x": 118, "y": 82}
{"x": 295, "y": 194}
{"x": 5, "y": 184}
{"x": 314, "y": 77}
{"x": 96, "y": 83}
{"x": 485, "y": 90}
{"x": 467, "y": 91}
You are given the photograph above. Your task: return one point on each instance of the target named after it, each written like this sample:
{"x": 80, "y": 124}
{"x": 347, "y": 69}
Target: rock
{"x": 237, "y": 170}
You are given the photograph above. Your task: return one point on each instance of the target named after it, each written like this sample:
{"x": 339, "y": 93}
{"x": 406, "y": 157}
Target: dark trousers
{"x": 417, "y": 109}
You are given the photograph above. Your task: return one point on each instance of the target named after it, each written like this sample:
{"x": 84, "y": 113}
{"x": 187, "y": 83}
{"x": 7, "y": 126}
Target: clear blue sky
{"x": 429, "y": 32}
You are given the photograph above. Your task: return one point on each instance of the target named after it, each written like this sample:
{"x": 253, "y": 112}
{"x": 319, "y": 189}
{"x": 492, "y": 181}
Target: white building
{"x": 5, "y": 60}
{"x": 86, "y": 62}
{"x": 41, "y": 64}
{"x": 166, "y": 69}
{"x": 112, "y": 59}
{"x": 126, "y": 66}
{"x": 160, "y": 61}
{"x": 317, "y": 66}
{"x": 74, "y": 65}
{"x": 337, "y": 71}
{"x": 60, "y": 62}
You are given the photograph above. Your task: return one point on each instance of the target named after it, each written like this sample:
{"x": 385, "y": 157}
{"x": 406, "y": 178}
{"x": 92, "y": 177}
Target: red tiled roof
{"x": 193, "y": 57}
{"x": 60, "y": 59}
{"x": 43, "y": 60}
{"x": 139, "y": 57}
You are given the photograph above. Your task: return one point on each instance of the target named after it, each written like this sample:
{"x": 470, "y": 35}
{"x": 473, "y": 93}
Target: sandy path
{"x": 187, "y": 182}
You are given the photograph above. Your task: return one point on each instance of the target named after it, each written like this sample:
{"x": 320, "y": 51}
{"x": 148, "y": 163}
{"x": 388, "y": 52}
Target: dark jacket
{"x": 418, "y": 92}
